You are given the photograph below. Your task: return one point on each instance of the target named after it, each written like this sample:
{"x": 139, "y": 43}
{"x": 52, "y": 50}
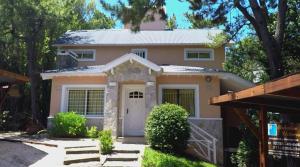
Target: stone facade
{"x": 126, "y": 73}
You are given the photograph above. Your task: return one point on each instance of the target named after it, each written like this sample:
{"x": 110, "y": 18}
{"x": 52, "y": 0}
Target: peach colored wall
{"x": 56, "y": 89}
{"x": 206, "y": 90}
{"x": 173, "y": 55}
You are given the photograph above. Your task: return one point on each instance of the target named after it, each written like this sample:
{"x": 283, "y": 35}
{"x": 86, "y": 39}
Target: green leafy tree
{"x": 28, "y": 30}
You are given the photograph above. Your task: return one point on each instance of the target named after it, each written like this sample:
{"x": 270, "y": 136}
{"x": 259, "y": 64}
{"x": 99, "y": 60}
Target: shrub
{"x": 106, "y": 142}
{"x": 92, "y": 132}
{"x": 167, "y": 128}
{"x": 68, "y": 124}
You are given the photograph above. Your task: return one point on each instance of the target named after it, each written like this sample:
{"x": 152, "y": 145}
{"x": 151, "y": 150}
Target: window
{"x": 199, "y": 54}
{"x": 140, "y": 52}
{"x": 87, "y": 102}
{"x": 183, "y": 95}
{"x": 84, "y": 55}
{"x": 136, "y": 95}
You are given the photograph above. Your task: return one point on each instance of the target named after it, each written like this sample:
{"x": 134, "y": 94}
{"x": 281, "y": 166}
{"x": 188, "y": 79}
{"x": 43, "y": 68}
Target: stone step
{"x": 87, "y": 146}
{"x": 122, "y": 157}
{"x": 125, "y": 151}
{"x": 132, "y": 140}
{"x": 121, "y": 164}
{"x": 84, "y": 150}
{"x": 77, "y": 158}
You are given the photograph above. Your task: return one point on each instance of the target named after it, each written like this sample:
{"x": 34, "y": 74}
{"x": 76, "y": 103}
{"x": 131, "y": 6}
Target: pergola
{"x": 7, "y": 81}
{"x": 280, "y": 96}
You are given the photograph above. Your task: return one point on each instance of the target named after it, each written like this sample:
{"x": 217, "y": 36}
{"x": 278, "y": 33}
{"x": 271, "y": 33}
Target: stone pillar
{"x": 150, "y": 96}
{"x": 111, "y": 109}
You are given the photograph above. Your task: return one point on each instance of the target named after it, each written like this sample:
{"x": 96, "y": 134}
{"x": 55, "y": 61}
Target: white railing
{"x": 203, "y": 143}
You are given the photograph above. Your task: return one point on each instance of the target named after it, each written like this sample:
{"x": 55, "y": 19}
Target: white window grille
{"x": 198, "y": 54}
{"x": 87, "y": 102}
{"x": 84, "y": 54}
{"x": 140, "y": 52}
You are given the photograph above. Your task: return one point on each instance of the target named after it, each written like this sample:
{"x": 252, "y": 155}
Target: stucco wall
{"x": 206, "y": 90}
{"x": 173, "y": 55}
{"x": 56, "y": 89}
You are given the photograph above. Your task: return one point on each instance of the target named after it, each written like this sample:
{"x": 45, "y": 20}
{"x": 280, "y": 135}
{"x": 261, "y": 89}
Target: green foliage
{"x": 153, "y": 158}
{"x": 106, "y": 141}
{"x": 92, "y": 132}
{"x": 171, "y": 23}
{"x": 167, "y": 128}
{"x": 240, "y": 158}
{"x": 27, "y": 32}
{"x": 248, "y": 60}
{"x": 68, "y": 124}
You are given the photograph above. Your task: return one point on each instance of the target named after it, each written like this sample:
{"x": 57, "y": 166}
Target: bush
{"x": 154, "y": 158}
{"x": 68, "y": 124}
{"x": 167, "y": 128}
{"x": 106, "y": 142}
{"x": 92, "y": 132}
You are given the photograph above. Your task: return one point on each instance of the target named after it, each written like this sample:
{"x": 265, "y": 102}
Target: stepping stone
{"x": 77, "y": 158}
{"x": 82, "y": 150}
{"x": 69, "y": 147}
{"x": 121, "y": 163}
{"x": 122, "y": 157}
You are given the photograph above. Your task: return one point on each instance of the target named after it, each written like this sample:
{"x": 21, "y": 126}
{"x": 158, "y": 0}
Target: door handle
{"x": 127, "y": 111}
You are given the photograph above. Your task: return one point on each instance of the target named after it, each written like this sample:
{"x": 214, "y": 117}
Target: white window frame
{"x": 183, "y": 86}
{"x": 93, "y": 50}
{"x": 211, "y": 52}
{"x": 65, "y": 96}
{"x": 141, "y": 49}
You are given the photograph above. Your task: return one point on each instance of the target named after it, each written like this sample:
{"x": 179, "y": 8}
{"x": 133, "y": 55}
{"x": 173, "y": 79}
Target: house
{"x": 114, "y": 77}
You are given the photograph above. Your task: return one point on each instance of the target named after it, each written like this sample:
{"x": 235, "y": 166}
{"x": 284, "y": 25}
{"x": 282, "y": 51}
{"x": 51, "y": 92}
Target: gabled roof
{"x": 131, "y": 57}
{"x": 146, "y": 37}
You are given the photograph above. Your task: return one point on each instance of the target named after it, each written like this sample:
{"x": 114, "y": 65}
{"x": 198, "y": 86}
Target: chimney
{"x": 156, "y": 24}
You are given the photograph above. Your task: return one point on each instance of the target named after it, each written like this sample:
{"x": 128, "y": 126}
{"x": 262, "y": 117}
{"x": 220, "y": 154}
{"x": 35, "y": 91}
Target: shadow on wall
{"x": 18, "y": 154}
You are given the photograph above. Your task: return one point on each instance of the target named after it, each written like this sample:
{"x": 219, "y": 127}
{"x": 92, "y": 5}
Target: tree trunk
{"x": 33, "y": 77}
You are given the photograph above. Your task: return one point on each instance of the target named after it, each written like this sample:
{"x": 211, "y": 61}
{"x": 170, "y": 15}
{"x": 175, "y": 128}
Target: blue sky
{"x": 172, "y": 6}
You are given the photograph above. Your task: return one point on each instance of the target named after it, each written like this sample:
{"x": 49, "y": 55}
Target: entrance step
{"x": 132, "y": 140}
{"x": 82, "y": 150}
{"x": 122, "y": 157}
{"x": 126, "y": 151}
{"x": 121, "y": 164}
{"x": 78, "y": 158}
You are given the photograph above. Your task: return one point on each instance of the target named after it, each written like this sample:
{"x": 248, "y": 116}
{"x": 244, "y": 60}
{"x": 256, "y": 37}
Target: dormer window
{"x": 84, "y": 54}
{"x": 197, "y": 54}
{"x": 140, "y": 52}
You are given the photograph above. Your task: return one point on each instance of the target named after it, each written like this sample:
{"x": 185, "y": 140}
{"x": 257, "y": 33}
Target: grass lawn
{"x": 153, "y": 158}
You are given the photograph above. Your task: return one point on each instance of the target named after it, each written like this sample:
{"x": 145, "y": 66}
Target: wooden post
{"x": 263, "y": 138}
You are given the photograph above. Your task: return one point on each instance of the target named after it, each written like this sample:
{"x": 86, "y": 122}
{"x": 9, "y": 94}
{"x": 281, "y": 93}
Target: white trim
{"x": 210, "y": 51}
{"x": 124, "y": 87}
{"x": 141, "y": 49}
{"x": 64, "y": 96}
{"x": 216, "y": 119}
{"x": 128, "y": 57}
{"x": 183, "y": 86}
{"x": 83, "y": 60}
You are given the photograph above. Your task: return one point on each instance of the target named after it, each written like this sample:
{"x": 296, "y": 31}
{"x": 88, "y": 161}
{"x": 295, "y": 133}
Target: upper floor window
{"x": 84, "y": 54}
{"x": 140, "y": 52}
{"x": 198, "y": 54}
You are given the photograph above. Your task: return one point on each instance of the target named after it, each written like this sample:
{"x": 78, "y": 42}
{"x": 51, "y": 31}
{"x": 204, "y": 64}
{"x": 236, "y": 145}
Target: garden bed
{"x": 153, "y": 158}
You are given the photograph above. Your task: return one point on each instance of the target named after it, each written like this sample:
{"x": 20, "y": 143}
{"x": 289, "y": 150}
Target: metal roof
{"x": 127, "y": 37}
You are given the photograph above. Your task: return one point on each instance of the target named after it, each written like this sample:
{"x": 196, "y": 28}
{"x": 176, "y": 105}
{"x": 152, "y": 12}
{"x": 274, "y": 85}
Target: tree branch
{"x": 248, "y": 17}
{"x": 279, "y": 32}
{"x": 264, "y": 8}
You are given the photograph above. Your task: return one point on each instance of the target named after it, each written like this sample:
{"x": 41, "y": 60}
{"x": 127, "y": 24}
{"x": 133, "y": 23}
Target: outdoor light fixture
{"x": 208, "y": 79}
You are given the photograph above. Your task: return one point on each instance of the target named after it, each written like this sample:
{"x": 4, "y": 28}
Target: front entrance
{"x": 133, "y": 110}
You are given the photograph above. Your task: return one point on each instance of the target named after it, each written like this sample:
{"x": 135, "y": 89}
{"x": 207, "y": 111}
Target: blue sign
{"x": 272, "y": 130}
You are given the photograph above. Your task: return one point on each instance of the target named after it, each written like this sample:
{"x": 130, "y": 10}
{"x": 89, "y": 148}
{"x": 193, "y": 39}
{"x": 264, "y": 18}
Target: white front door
{"x": 134, "y": 110}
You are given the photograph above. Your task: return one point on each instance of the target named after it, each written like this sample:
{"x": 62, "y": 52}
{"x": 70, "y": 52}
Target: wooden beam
{"x": 247, "y": 121}
{"x": 263, "y": 89}
{"x": 263, "y": 139}
{"x": 14, "y": 76}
